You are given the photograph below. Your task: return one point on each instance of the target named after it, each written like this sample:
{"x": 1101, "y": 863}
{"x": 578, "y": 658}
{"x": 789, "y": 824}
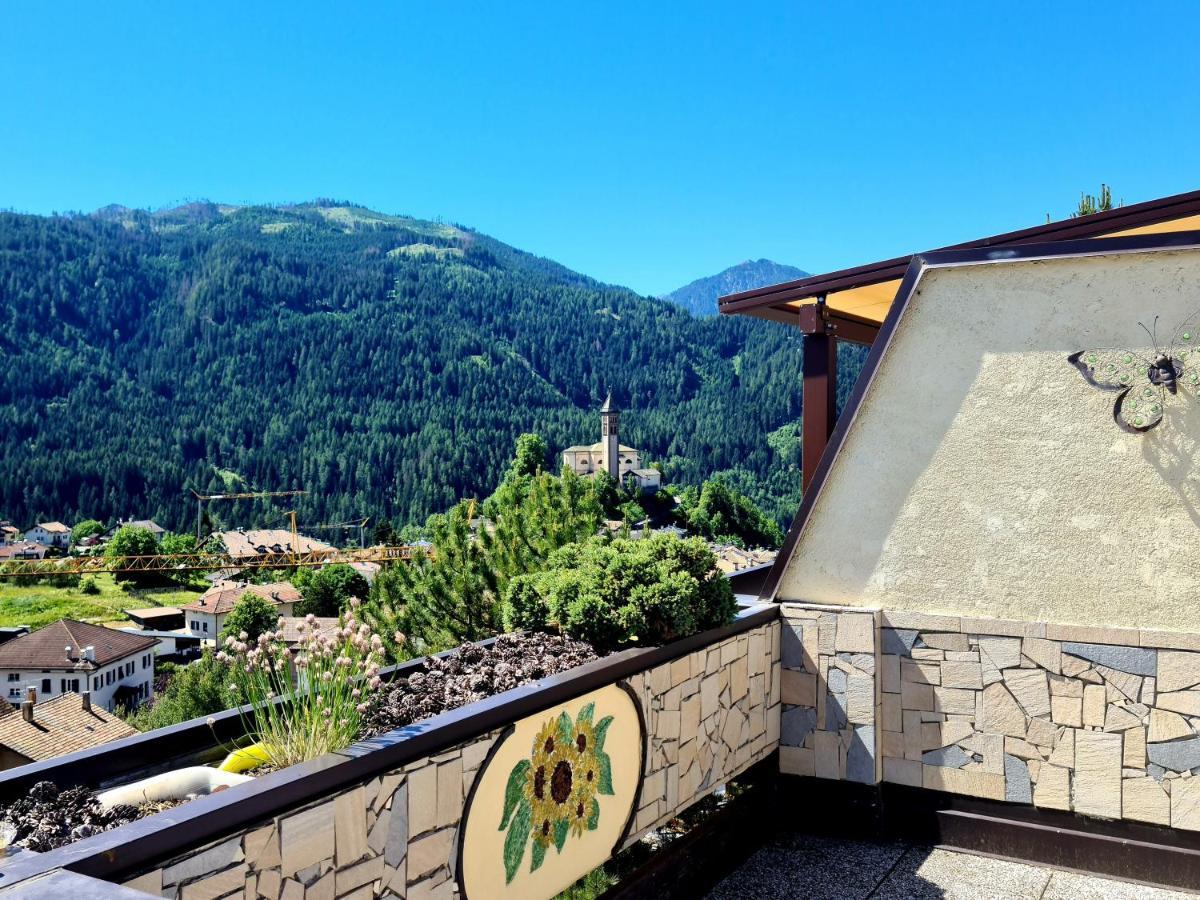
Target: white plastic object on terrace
{"x": 177, "y": 785}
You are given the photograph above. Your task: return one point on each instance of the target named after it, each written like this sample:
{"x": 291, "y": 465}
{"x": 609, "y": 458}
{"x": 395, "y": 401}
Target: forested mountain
{"x": 381, "y": 363}
{"x": 700, "y": 297}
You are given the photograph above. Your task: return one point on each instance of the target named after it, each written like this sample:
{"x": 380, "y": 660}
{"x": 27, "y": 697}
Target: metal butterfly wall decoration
{"x": 1146, "y": 385}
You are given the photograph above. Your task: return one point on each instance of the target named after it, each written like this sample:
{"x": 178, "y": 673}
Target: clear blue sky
{"x": 644, "y": 144}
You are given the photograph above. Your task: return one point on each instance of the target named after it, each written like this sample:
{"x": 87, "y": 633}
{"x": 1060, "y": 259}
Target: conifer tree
{"x": 454, "y": 594}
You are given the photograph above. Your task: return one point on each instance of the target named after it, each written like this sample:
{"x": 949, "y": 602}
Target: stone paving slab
{"x": 812, "y": 868}
{"x": 799, "y": 866}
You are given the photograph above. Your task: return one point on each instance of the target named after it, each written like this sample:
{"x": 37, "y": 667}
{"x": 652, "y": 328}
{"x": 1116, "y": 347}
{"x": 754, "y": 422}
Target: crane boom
{"x": 201, "y": 499}
{"x": 169, "y": 563}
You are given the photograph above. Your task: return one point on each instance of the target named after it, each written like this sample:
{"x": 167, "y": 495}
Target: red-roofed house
{"x": 205, "y": 617}
{"x": 9, "y": 533}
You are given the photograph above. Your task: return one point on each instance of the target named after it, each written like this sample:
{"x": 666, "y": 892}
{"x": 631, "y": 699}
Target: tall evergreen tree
{"x": 454, "y": 594}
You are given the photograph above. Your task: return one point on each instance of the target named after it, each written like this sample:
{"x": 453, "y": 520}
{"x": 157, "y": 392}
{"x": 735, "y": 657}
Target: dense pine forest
{"x": 383, "y": 364}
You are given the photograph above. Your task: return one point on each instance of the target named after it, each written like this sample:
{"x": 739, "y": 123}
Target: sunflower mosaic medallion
{"x": 554, "y": 798}
{"x": 553, "y": 794}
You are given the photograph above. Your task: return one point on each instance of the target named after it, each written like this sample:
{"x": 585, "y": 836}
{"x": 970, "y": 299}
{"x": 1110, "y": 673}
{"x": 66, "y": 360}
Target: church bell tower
{"x": 610, "y": 424}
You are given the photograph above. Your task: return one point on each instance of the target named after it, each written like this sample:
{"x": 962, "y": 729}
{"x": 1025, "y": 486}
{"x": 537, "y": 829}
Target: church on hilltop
{"x": 609, "y": 455}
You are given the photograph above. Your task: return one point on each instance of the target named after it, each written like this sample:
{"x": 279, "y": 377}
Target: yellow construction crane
{"x": 360, "y": 524}
{"x": 201, "y": 499}
{"x": 202, "y": 561}
{"x": 170, "y": 563}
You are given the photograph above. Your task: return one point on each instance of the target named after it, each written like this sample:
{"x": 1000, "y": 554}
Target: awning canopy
{"x": 864, "y": 294}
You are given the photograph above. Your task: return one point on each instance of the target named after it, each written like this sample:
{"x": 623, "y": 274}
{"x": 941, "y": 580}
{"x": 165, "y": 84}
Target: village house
{"x": 51, "y": 534}
{"x": 23, "y": 550}
{"x": 71, "y": 656}
{"x": 65, "y": 724}
{"x": 166, "y": 624}
{"x": 144, "y": 524}
{"x": 610, "y": 455}
{"x": 205, "y": 617}
{"x": 9, "y": 533}
{"x": 162, "y": 618}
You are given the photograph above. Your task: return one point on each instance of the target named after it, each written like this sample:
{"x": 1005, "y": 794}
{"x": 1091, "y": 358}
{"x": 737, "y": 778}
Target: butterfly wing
{"x": 1189, "y": 373}
{"x": 1140, "y": 408}
{"x": 1185, "y": 340}
{"x": 1111, "y": 370}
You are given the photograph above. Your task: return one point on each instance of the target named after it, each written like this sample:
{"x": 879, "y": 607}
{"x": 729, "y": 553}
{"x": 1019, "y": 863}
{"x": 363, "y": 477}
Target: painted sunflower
{"x": 585, "y": 811}
{"x": 547, "y": 754}
{"x": 554, "y": 793}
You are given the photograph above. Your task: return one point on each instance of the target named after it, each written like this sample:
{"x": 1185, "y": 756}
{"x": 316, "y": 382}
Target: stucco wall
{"x": 983, "y": 477}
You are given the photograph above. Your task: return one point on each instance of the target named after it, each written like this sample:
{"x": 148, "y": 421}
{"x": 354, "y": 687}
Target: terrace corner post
{"x": 820, "y": 386}
{"x": 822, "y": 330}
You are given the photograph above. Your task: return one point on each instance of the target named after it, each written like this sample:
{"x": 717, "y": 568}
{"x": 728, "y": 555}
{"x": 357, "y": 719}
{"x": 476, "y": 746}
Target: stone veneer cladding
{"x": 709, "y": 715}
{"x": 1099, "y": 721}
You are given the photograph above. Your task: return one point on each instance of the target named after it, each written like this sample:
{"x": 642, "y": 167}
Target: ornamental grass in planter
{"x": 326, "y": 679}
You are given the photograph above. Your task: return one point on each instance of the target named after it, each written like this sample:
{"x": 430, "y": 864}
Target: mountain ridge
{"x": 700, "y": 296}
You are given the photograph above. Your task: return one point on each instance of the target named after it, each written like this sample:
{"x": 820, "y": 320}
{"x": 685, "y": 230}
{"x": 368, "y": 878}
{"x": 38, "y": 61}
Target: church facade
{"x": 609, "y": 455}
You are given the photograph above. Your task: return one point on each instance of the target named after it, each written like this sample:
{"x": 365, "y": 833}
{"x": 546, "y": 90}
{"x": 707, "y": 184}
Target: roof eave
{"x": 760, "y": 300}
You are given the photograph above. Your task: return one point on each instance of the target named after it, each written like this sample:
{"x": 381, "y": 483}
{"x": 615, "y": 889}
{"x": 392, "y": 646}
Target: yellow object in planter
{"x": 245, "y": 759}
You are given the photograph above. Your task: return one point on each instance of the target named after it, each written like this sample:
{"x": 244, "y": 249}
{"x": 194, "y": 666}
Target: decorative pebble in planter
{"x": 470, "y": 673}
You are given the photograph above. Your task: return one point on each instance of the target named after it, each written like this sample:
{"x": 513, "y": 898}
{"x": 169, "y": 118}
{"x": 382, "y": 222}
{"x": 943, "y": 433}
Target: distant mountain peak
{"x": 700, "y": 297}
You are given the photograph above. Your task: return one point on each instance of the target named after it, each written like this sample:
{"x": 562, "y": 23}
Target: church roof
{"x": 597, "y": 447}
{"x": 609, "y": 406}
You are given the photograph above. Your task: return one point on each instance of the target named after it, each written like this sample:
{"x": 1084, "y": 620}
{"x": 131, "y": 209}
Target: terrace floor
{"x": 801, "y": 866}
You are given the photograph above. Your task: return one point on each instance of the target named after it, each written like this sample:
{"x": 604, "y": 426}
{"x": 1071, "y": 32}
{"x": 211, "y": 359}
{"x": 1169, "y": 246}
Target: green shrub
{"x": 251, "y": 616}
{"x": 132, "y": 541}
{"x": 200, "y": 689}
{"x": 328, "y": 590}
{"x": 89, "y": 587}
{"x": 625, "y": 592}
{"x": 86, "y": 529}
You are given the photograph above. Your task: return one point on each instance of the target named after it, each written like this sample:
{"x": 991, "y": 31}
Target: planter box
{"x": 387, "y": 815}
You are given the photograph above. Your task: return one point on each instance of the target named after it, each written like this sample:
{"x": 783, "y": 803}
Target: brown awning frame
{"x": 1138, "y": 215}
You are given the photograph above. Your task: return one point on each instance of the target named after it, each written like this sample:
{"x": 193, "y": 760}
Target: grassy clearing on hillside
{"x": 426, "y": 249}
{"x": 36, "y": 605}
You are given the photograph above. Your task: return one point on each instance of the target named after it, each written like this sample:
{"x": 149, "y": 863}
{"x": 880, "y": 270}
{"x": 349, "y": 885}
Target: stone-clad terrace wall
{"x": 392, "y": 836}
{"x": 830, "y": 693}
{"x": 1099, "y": 721}
{"x": 709, "y": 715}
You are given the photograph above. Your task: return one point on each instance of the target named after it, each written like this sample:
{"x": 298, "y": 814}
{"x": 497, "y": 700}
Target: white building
{"x": 144, "y": 524}
{"x": 51, "y": 534}
{"x": 609, "y": 455}
{"x": 70, "y": 656}
{"x": 205, "y": 617}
